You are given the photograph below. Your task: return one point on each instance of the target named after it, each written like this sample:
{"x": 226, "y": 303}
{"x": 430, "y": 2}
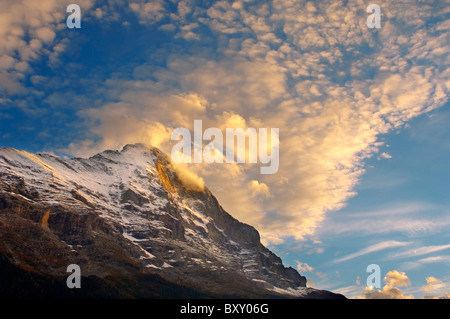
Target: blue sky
{"x": 362, "y": 115}
{"x": 402, "y": 207}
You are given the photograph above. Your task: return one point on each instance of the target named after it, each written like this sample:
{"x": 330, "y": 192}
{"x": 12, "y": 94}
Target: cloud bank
{"x": 392, "y": 279}
{"x": 395, "y": 280}
{"x": 28, "y": 31}
{"x": 314, "y": 70}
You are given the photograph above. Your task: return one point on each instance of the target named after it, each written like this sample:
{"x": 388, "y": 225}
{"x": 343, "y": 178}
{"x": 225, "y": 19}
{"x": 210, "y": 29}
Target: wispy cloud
{"x": 418, "y": 251}
{"x": 432, "y": 284}
{"x": 407, "y": 218}
{"x": 445, "y": 259}
{"x": 436, "y": 288}
{"x": 374, "y": 248}
{"x": 350, "y": 291}
{"x": 393, "y": 210}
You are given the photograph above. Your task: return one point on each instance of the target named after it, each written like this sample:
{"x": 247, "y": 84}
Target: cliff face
{"x": 133, "y": 228}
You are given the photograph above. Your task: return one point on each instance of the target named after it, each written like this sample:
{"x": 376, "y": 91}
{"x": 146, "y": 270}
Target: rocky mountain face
{"x": 134, "y": 228}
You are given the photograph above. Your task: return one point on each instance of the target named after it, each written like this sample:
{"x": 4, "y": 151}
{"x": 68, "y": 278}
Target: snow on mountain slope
{"x": 164, "y": 228}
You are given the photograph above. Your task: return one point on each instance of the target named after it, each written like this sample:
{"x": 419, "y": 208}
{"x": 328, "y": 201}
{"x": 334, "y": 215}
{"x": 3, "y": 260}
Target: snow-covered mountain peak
{"x": 147, "y": 216}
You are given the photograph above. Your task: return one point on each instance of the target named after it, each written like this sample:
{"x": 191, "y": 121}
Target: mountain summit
{"x": 134, "y": 227}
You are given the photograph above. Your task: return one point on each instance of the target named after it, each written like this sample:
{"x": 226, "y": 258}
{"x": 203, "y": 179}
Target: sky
{"x": 362, "y": 115}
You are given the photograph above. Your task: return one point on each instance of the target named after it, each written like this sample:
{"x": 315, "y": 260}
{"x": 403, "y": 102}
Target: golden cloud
{"x": 393, "y": 278}
{"x": 327, "y": 128}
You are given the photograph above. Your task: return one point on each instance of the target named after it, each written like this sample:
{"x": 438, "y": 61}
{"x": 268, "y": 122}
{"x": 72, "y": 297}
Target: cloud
{"x": 10, "y": 83}
{"x": 408, "y": 218}
{"x": 352, "y": 291}
{"x": 321, "y": 275}
{"x": 189, "y": 179}
{"x": 434, "y": 289}
{"x": 432, "y": 284}
{"x": 323, "y": 141}
{"x": 385, "y": 155}
{"x": 419, "y": 251}
{"x": 329, "y": 83}
{"x": 187, "y": 32}
{"x": 304, "y": 267}
{"x": 316, "y": 250}
{"x": 393, "y": 278}
{"x": 388, "y": 292}
{"x": 149, "y": 12}
{"x": 259, "y": 188}
{"x": 396, "y": 278}
{"x": 310, "y": 283}
{"x": 45, "y": 34}
{"x": 428, "y": 260}
{"x": 376, "y": 247}
{"x": 28, "y": 33}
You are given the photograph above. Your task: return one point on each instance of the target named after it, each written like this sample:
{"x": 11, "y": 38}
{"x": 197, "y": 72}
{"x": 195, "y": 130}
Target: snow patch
{"x": 152, "y": 266}
{"x": 299, "y": 292}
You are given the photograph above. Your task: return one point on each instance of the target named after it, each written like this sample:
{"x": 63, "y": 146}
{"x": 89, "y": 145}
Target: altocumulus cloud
{"x": 28, "y": 31}
{"x": 314, "y": 70}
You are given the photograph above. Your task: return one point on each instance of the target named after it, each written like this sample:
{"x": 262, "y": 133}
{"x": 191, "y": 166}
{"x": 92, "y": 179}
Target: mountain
{"x": 135, "y": 229}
